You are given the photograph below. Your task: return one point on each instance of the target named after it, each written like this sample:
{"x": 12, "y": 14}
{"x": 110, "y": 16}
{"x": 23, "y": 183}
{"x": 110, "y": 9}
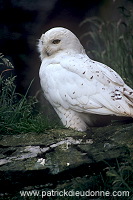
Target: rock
{"x": 28, "y": 160}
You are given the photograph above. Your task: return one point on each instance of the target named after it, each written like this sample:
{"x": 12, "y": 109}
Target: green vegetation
{"x": 120, "y": 178}
{"x": 17, "y": 112}
{"x": 112, "y": 43}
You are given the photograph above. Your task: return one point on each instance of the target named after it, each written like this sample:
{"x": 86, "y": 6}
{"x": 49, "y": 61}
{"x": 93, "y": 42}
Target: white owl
{"x": 83, "y": 92}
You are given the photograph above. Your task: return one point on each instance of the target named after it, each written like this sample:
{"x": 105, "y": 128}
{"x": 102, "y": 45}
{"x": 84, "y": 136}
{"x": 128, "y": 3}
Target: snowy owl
{"x": 82, "y": 91}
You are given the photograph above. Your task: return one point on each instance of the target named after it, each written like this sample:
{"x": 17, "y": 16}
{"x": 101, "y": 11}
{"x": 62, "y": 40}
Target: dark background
{"x": 23, "y": 21}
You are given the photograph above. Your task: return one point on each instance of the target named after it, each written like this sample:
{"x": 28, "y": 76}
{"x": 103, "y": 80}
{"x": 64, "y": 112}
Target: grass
{"x": 18, "y": 112}
{"x": 119, "y": 178}
{"x": 112, "y": 43}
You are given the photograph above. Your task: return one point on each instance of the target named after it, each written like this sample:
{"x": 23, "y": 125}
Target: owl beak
{"x": 43, "y": 40}
{"x": 47, "y": 53}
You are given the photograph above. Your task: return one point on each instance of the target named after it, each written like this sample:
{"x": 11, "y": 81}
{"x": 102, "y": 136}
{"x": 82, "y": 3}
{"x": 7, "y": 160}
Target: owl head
{"x": 57, "y": 40}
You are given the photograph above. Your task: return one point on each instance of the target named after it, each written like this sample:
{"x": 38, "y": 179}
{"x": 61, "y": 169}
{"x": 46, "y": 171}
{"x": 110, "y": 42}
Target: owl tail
{"x": 128, "y": 92}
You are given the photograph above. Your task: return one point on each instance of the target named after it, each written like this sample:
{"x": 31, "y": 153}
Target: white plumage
{"x": 83, "y": 92}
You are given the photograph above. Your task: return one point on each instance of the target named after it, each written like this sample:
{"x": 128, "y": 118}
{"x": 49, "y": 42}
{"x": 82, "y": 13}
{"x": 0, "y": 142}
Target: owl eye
{"x": 56, "y": 41}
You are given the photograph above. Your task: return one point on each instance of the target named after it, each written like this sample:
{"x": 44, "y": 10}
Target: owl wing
{"x": 88, "y": 68}
{"x": 93, "y": 87}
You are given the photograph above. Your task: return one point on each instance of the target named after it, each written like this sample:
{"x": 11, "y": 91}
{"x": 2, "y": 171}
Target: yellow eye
{"x": 56, "y": 41}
